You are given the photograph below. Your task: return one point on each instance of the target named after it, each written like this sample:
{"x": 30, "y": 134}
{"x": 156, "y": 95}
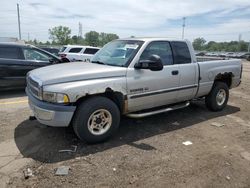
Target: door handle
{"x": 175, "y": 72}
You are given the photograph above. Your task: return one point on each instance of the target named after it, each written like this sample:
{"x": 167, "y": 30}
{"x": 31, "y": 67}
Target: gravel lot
{"x": 145, "y": 153}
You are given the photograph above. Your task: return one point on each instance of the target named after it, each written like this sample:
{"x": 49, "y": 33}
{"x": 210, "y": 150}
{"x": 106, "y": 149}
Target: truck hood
{"x": 68, "y": 72}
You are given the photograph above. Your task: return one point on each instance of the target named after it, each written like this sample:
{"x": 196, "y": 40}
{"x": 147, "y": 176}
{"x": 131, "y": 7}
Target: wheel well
{"x": 117, "y": 97}
{"x": 226, "y": 78}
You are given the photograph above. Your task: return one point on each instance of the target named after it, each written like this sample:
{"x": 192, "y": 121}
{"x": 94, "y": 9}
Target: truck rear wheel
{"x": 96, "y": 119}
{"x": 217, "y": 99}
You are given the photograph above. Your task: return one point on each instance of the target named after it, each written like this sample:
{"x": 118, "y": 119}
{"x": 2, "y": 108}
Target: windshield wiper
{"x": 98, "y": 62}
{"x": 115, "y": 65}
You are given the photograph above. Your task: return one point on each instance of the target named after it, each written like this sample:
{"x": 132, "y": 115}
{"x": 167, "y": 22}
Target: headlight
{"x": 55, "y": 97}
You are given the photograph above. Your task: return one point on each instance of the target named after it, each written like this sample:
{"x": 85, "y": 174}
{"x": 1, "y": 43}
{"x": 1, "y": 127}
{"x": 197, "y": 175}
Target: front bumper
{"x": 54, "y": 115}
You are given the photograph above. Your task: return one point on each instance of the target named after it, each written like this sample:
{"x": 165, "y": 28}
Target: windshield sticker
{"x": 132, "y": 46}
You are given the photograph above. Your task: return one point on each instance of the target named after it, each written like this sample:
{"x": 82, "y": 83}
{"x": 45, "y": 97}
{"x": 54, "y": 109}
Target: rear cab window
{"x": 10, "y": 52}
{"x": 75, "y": 50}
{"x": 181, "y": 52}
{"x": 90, "y": 50}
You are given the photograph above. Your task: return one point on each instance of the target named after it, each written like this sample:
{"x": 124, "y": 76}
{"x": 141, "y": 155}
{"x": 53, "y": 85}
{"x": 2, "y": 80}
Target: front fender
{"x": 79, "y": 89}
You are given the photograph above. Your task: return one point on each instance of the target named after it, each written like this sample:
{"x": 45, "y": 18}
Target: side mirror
{"x": 154, "y": 63}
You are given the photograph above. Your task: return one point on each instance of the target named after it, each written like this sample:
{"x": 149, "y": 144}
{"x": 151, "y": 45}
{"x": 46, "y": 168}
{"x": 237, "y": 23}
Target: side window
{"x": 181, "y": 53}
{"x": 160, "y": 48}
{"x": 90, "y": 50}
{"x": 75, "y": 50}
{"x": 10, "y": 53}
{"x": 33, "y": 54}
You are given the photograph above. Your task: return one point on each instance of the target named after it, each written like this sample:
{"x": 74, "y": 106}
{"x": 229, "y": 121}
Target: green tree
{"x": 233, "y": 46}
{"x": 92, "y": 38}
{"x": 199, "y": 43}
{"x": 47, "y": 43}
{"x": 60, "y": 34}
{"x": 77, "y": 40}
{"x": 243, "y": 46}
{"x": 104, "y": 38}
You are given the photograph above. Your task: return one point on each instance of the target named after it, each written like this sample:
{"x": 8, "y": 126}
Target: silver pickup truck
{"x": 136, "y": 77}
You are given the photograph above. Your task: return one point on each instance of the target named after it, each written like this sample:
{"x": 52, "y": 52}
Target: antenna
{"x": 183, "y": 26}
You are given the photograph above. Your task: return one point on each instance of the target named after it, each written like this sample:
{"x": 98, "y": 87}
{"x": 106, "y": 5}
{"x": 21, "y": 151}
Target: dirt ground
{"x": 144, "y": 153}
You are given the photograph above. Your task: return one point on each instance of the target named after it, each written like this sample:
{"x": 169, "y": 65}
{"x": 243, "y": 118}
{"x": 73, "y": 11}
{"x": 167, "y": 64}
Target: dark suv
{"x": 16, "y": 60}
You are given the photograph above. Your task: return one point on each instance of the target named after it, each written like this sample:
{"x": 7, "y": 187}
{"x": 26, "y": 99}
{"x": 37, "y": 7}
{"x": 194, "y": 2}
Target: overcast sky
{"x": 219, "y": 20}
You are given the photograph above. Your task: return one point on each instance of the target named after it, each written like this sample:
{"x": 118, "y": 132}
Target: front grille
{"x": 33, "y": 87}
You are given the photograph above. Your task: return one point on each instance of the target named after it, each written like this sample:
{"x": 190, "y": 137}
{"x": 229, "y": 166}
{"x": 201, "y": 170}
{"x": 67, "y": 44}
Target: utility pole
{"x": 183, "y": 26}
{"x": 19, "y": 26}
{"x": 80, "y": 30}
{"x": 239, "y": 42}
{"x": 249, "y": 47}
{"x": 28, "y": 36}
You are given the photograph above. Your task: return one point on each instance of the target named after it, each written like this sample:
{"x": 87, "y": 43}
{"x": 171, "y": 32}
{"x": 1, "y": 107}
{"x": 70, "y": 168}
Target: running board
{"x": 167, "y": 109}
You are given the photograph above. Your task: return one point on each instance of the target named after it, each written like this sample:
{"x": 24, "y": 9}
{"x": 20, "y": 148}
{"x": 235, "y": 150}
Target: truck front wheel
{"x": 96, "y": 119}
{"x": 217, "y": 99}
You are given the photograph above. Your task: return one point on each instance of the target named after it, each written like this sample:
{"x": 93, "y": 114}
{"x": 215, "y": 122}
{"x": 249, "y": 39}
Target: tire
{"x": 213, "y": 101}
{"x": 95, "y": 112}
{"x": 65, "y": 60}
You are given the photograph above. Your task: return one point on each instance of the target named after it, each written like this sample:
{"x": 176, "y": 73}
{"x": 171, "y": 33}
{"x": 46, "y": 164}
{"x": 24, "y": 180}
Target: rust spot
{"x": 125, "y": 107}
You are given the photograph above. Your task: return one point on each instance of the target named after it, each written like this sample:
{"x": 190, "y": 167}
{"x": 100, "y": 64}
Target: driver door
{"x": 148, "y": 89}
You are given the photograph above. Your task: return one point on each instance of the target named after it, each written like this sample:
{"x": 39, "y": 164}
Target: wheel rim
{"x": 99, "y": 122}
{"x": 221, "y": 97}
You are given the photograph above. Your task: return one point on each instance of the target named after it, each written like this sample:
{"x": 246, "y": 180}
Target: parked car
{"x": 231, "y": 54}
{"x": 51, "y": 50}
{"x": 77, "y": 53}
{"x": 245, "y": 56}
{"x": 155, "y": 75}
{"x": 18, "y": 59}
{"x": 200, "y": 53}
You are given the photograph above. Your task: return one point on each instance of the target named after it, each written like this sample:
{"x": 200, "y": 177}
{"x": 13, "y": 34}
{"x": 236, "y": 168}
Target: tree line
{"x": 61, "y": 35}
{"x": 200, "y": 44}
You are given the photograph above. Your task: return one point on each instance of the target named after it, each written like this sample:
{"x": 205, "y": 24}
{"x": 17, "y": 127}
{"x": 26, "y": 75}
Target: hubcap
{"x": 99, "y": 122}
{"x": 221, "y": 97}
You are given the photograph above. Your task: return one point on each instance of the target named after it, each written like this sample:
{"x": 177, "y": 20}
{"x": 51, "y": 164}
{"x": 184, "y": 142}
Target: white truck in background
{"x": 77, "y": 53}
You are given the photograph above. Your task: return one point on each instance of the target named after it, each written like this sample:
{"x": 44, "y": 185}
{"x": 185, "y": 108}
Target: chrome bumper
{"x": 51, "y": 114}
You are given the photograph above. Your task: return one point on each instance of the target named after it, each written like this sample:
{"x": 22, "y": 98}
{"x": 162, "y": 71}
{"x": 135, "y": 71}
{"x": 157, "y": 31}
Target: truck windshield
{"x": 117, "y": 53}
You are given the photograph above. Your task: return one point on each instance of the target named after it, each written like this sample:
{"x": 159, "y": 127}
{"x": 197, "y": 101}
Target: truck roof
{"x": 79, "y": 46}
{"x": 146, "y": 39}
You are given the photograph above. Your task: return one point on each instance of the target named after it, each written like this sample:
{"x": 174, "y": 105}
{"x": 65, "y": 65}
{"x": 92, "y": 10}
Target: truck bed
{"x": 211, "y": 68}
{"x": 207, "y": 58}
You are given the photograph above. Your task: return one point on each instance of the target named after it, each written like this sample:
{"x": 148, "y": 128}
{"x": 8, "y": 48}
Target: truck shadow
{"x": 6, "y": 94}
{"x": 43, "y": 144}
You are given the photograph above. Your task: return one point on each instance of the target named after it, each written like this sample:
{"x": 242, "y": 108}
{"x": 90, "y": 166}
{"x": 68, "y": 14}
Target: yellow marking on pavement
{"x": 14, "y": 102}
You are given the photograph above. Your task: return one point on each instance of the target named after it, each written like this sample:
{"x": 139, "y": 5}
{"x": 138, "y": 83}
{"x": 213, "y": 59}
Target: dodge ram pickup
{"x": 136, "y": 77}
